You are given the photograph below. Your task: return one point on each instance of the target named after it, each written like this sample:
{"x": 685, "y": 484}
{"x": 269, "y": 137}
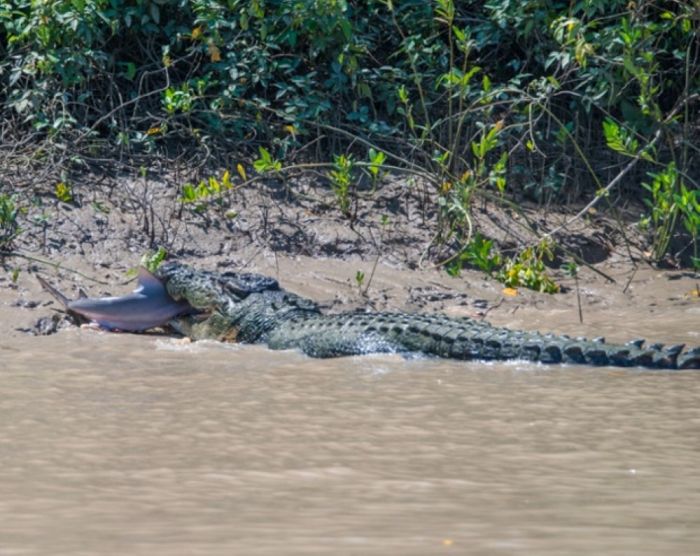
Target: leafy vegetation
{"x": 152, "y": 260}
{"x": 207, "y": 190}
{"x": 342, "y": 182}
{"x": 63, "y": 192}
{"x": 504, "y": 100}
{"x": 9, "y": 225}
{"x": 669, "y": 200}
{"x": 479, "y": 253}
{"x": 527, "y": 269}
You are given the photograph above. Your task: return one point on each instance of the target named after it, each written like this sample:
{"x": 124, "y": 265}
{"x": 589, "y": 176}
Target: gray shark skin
{"x": 148, "y": 306}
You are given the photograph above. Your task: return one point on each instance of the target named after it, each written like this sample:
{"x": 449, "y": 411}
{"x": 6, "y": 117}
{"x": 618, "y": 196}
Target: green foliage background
{"x": 543, "y": 98}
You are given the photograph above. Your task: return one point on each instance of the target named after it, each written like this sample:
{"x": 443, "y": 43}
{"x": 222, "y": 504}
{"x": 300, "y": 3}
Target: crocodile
{"x": 251, "y": 308}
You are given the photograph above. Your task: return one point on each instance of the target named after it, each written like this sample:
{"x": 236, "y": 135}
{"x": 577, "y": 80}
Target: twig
{"x": 496, "y": 306}
{"x": 371, "y": 274}
{"x": 578, "y": 299}
{"x": 627, "y": 285}
{"x": 601, "y": 194}
{"x": 55, "y": 266}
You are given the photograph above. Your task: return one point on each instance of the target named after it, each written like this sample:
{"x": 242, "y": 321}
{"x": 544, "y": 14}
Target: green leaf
{"x": 63, "y": 192}
{"x": 266, "y": 163}
{"x": 151, "y": 261}
{"x": 611, "y": 131}
{"x": 214, "y": 186}
{"x": 188, "y": 193}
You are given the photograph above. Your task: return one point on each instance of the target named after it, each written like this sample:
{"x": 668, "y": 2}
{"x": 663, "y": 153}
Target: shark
{"x": 148, "y": 306}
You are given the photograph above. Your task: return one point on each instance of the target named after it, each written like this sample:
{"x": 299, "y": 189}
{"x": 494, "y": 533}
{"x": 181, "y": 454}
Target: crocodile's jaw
{"x": 147, "y": 307}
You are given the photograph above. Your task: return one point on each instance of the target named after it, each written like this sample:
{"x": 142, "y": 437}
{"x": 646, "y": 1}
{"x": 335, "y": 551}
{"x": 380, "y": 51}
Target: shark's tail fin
{"x": 53, "y": 291}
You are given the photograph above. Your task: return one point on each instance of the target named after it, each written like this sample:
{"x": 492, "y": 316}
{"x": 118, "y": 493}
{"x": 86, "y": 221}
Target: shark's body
{"x": 148, "y": 306}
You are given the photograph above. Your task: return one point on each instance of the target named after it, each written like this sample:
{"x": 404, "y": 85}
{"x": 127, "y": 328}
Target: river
{"x": 144, "y": 445}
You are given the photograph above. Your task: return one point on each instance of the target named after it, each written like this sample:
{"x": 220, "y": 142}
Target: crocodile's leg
{"x": 360, "y": 333}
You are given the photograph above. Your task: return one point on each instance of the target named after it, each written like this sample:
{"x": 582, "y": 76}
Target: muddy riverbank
{"x": 386, "y": 257}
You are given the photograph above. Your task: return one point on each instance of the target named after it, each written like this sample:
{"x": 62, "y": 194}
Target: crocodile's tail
{"x": 465, "y": 338}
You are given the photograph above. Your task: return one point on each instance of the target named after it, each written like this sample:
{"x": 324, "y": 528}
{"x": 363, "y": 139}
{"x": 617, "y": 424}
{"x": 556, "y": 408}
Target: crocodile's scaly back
{"x": 359, "y": 333}
{"x": 252, "y": 308}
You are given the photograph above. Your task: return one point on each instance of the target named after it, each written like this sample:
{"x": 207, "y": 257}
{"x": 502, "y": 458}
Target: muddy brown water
{"x": 141, "y": 445}
{"x": 125, "y": 444}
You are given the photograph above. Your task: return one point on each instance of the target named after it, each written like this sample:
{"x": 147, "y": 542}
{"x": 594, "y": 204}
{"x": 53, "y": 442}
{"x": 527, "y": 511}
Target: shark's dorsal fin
{"x": 82, "y": 294}
{"x": 148, "y": 283}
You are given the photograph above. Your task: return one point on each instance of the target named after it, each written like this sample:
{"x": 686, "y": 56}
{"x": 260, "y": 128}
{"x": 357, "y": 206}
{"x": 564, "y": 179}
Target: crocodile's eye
{"x": 204, "y": 295}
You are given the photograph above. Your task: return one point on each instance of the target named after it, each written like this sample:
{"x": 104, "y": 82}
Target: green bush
{"x": 427, "y": 82}
{"x": 245, "y": 65}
